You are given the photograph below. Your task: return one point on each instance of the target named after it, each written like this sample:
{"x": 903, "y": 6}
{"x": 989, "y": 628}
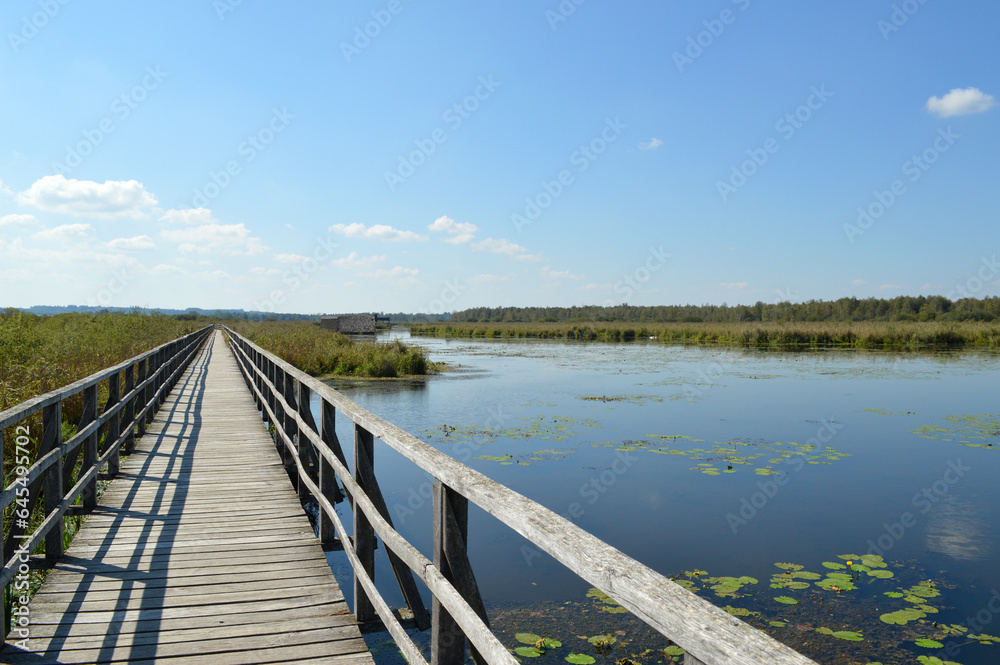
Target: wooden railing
{"x": 60, "y": 472}
{"x": 709, "y": 635}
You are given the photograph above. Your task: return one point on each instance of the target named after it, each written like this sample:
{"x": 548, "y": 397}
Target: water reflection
{"x": 956, "y": 529}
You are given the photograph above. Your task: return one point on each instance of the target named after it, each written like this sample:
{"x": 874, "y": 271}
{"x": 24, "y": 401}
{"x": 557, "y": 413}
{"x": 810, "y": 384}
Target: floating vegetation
{"x": 849, "y": 635}
{"x": 580, "y": 659}
{"x": 764, "y": 457}
{"x": 886, "y": 412}
{"x": 608, "y": 604}
{"x": 830, "y": 614}
{"x": 977, "y": 431}
{"x": 527, "y": 459}
{"x": 602, "y": 641}
{"x": 631, "y": 399}
{"x": 552, "y": 428}
{"x": 849, "y": 600}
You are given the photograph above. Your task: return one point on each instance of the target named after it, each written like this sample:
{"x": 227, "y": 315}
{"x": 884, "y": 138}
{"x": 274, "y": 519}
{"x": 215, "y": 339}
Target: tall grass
{"x": 323, "y": 352}
{"x": 42, "y": 353}
{"x": 865, "y": 334}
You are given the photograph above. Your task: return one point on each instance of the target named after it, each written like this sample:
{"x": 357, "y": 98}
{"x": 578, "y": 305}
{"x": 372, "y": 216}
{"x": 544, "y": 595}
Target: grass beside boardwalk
{"x": 863, "y": 334}
{"x": 321, "y": 352}
{"x": 42, "y": 353}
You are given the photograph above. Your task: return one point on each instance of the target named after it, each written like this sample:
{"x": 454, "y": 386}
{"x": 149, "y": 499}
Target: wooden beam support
{"x": 364, "y": 535}
{"x": 52, "y": 479}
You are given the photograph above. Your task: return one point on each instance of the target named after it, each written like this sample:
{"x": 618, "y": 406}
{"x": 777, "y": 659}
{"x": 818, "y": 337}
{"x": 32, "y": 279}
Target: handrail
{"x": 135, "y": 390}
{"x": 708, "y": 634}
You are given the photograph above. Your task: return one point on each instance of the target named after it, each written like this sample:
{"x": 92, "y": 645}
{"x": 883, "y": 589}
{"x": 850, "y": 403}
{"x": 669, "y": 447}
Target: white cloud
{"x": 733, "y": 285}
{"x": 398, "y": 271}
{"x": 461, "y": 232}
{"x": 17, "y": 221}
{"x": 164, "y": 269}
{"x": 890, "y": 286}
{"x": 549, "y": 273}
{"x": 858, "y": 282}
{"x": 487, "y": 279}
{"x": 351, "y": 261}
{"x": 5, "y": 190}
{"x": 291, "y": 258}
{"x": 503, "y": 246}
{"x": 377, "y": 232}
{"x": 529, "y": 258}
{"x": 65, "y": 233}
{"x": 16, "y": 275}
{"x": 651, "y": 144}
{"x": 961, "y": 102}
{"x": 226, "y": 238}
{"x": 134, "y": 243}
{"x": 121, "y": 199}
{"x": 189, "y": 216}
{"x": 213, "y": 275}
{"x": 260, "y": 270}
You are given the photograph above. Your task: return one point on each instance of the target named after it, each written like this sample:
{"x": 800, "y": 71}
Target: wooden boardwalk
{"x": 199, "y": 552}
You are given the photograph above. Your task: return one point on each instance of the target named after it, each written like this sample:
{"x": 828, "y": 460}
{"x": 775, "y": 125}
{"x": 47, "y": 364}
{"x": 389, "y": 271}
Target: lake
{"x": 712, "y": 465}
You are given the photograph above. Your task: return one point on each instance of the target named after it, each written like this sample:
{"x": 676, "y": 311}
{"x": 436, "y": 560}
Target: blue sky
{"x": 398, "y": 155}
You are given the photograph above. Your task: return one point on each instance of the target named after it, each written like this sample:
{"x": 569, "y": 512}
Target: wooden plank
{"x": 199, "y": 552}
{"x": 338, "y": 612}
{"x": 336, "y": 640}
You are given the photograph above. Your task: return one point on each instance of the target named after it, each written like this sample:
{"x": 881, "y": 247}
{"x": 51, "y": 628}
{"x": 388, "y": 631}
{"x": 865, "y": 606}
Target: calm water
{"x": 667, "y": 466}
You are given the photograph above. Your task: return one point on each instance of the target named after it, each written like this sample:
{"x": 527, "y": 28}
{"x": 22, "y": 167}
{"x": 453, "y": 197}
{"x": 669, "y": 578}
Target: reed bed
{"x": 41, "y": 353}
{"x": 321, "y": 352}
{"x": 862, "y": 334}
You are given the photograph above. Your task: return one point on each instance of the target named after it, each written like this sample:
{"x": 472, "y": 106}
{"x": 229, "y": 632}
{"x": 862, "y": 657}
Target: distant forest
{"x": 903, "y": 308}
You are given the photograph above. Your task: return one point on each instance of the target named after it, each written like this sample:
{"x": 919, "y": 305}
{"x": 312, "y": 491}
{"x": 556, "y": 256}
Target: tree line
{"x": 902, "y": 308}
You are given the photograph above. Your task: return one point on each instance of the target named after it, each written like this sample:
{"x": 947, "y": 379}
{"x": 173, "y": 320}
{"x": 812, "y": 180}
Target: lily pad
{"x": 580, "y": 659}
{"x": 528, "y": 652}
{"x": 849, "y": 635}
{"x": 902, "y": 617}
{"x": 602, "y": 640}
{"x": 789, "y": 566}
{"x": 834, "y": 565}
{"x": 928, "y": 644}
{"x": 673, "y": 650}
{"x": 881, "y": 574}
{"x": 527, "y": 638}
{"x": 786, "y": 600}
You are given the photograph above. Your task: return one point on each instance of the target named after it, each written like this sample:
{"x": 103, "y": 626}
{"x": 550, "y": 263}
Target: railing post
{"x": 142, "y": 396}
{"x": 271, "y": 402}
{"x": 364, "y": 534}
{"x": 327, "y": 479}
{"x": 128, "y": 415}
{"x": 451, "y": 529}
{"x": 151, "y": 405}
{"x": 292, "y": 431}
{"x": 279, "y": 415}
{"x": 114, "y": 428}
{"x": 161, "y": 356}
{"x": 52, "y": 479}
{"x": 307, "y": 452}
{"x": 88, "y": 496}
